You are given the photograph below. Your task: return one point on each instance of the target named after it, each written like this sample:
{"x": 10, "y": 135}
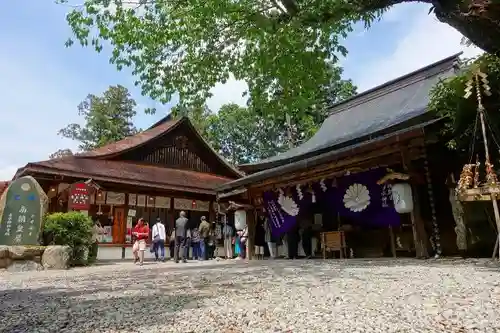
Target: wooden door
{"x": 119, "y": 225}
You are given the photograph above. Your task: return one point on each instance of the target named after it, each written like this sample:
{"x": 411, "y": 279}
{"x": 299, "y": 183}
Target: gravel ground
{"x": 263, "y": 296}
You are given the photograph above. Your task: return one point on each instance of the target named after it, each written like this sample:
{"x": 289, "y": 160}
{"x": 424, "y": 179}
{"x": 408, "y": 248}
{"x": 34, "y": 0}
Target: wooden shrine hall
{"x": 156, "y": 173}
{"x": 385, "y": 132}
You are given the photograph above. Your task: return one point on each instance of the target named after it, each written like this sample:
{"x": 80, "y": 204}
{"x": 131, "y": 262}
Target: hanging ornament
{"x": 334, "y": 182}
{"x": 300, "y": 195}
{"x": 323, "y": 185}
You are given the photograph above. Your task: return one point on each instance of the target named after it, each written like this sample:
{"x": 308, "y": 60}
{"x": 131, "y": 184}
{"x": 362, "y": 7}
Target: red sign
{"x": 79, "y": 197}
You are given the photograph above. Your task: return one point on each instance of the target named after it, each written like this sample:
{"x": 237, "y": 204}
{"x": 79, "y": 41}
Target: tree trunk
{"x": 478, "y": 20}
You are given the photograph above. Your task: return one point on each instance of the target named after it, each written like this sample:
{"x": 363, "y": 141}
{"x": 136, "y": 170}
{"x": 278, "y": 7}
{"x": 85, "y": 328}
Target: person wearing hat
{"x": 141, "y": 234}
{"x": 204, "y": 230}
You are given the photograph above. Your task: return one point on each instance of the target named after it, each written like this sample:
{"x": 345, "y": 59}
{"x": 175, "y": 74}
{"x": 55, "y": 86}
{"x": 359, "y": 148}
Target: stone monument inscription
{"x": 21, "y": 211}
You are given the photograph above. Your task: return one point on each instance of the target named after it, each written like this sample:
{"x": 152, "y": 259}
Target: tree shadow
{"x": 29, "y": 310}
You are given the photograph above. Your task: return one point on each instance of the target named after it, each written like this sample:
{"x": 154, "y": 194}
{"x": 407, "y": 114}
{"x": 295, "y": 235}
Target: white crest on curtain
{"x": 357, "y": 198}
{"x": 288, "y": 205}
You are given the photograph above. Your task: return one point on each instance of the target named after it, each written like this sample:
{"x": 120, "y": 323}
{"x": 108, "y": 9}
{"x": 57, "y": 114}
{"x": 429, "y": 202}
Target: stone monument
{"x": 22, "y": 208}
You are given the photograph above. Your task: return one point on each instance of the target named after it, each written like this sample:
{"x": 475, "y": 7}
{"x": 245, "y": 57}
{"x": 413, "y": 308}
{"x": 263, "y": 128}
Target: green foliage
{"x": 73, "y": 229}
{"x": 447, "y": 100}
{"x": 198, "y": 115}
{"x": 186, "y": 47}
{"x": 61, "y": 153}
{"x": 108, "y": 118}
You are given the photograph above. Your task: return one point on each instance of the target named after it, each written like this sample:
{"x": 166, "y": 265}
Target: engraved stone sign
{"x": 22, "y": 208}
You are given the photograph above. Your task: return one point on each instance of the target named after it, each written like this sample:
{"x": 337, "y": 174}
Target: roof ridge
{"x": 106, "y": 151}
{"x": 398, "y": 83}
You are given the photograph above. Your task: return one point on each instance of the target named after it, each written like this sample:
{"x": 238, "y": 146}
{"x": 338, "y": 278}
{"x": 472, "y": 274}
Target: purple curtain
{"x": 281, "y": 222}
{"x": 380, "y": 210}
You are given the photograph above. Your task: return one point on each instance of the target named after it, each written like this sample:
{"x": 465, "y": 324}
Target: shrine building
{"x": 156, "y": 173}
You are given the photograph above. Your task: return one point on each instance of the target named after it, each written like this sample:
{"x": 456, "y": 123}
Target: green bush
{"x": 73, "y": 229}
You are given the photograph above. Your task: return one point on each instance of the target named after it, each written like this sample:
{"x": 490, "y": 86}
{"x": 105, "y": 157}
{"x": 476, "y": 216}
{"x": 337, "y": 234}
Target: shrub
{"x": 73, "y": 229}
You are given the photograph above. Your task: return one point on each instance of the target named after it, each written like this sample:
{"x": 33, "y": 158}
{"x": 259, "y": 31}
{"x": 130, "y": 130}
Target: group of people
{"x": 182, "y": 237}
{"x": 202, "y": 240}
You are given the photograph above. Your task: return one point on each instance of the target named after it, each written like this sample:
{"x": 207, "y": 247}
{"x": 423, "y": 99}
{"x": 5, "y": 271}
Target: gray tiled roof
{"x": 371, "y": 112}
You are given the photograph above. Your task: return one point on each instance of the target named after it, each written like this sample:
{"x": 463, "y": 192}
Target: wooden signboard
{"x": 79, "y": 197}
{"x": 22, "y": 208}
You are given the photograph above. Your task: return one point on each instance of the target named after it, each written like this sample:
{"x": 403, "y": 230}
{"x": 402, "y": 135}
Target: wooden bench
{"x": 333, "y": 241}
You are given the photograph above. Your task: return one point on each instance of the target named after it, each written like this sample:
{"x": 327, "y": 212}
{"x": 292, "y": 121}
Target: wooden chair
{"x": 333, "y": 241}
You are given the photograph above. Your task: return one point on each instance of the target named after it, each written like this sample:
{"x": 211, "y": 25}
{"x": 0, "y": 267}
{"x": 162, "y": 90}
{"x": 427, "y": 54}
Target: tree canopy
{"x": 61, "y": 153}
{"x": 108, "y": 118}
{"x": 462, "y": 126}
{"x": 186, "y": 47}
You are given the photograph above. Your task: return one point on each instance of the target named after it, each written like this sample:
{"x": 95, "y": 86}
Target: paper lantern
{"x": 402, "y": 198}
{"x": 240, "y": 219}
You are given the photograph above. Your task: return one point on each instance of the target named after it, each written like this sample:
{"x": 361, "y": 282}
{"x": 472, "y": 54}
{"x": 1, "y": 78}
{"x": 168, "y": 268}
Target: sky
{"x": 42, "y": 82}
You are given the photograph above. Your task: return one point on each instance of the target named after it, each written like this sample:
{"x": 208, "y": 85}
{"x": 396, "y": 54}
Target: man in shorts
{"x": 141, "y": 233}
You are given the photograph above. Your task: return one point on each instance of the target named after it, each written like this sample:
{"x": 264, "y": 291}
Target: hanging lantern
{"x": 240, "y": 219}
{"x": 193, "y": 204}
{"x": 402, "y": 198}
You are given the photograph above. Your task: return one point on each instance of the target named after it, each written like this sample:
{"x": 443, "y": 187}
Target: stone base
{"x": 33, "y": 258}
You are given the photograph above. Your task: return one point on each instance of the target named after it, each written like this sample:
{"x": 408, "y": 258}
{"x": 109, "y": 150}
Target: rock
{"x": 4, "y": 252}
{"x": 26, "y": 252}
{"x": 56, "y": 257}
{"x": 5, "y": 262}
{"x": 24, "y": 266}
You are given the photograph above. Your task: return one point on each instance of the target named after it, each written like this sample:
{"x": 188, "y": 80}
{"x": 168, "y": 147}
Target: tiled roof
{"x": 3, "y": 186}
{"x": 369, "y": 113}
{"x": 132, "y": 141}
{"x": 130, "y": 173}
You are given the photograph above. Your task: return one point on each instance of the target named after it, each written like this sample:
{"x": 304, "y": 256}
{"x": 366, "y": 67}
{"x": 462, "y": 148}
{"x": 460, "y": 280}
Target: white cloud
{"x": 428, "y": 41}
{"x": 231, "y": 92}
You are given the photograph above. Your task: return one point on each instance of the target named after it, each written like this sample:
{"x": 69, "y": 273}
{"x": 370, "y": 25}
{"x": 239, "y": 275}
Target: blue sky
{"x": 42, "y": 82}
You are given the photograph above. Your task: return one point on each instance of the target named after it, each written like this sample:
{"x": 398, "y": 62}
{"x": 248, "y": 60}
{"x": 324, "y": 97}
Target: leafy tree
{"x": 186, "y": 47}
{"x": 462, "y": 125}
{"x": 199, "y": 116}
{"x": 108, "y": 118}
{"x": 61, "y": 153}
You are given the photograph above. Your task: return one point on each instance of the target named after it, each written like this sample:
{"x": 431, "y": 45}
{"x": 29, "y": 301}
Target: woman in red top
{"x": 141, "y": 234}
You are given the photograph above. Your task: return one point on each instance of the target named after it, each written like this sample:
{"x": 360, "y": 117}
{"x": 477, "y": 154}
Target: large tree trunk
{"x": 478, "y": 20}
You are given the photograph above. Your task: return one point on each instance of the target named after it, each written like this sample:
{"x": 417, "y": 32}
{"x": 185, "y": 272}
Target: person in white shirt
{"x": 159, "y": 236}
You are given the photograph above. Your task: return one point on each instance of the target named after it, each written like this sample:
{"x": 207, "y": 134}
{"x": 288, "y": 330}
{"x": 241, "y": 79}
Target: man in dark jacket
{"x": 181, "y": 225}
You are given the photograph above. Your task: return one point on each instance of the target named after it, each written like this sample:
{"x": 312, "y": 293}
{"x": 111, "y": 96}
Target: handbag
{"x": 156, "y": 238}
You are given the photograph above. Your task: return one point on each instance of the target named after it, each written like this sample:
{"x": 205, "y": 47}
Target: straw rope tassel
{"x": 435, "y": 238}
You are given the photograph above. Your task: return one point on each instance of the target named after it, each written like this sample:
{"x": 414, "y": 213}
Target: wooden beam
{"x": 387, "y": 157}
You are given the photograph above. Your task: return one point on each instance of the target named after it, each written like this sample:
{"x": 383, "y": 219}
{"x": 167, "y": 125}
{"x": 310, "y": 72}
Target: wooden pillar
{"x": 251, "y": 223}
{"x": 417, "y": 223}
{"x": 393, "y": 242}
{"x": 211, "y": 212}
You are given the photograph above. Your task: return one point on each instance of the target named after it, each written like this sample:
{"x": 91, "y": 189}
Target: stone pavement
{"x": 356, "y": 295}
